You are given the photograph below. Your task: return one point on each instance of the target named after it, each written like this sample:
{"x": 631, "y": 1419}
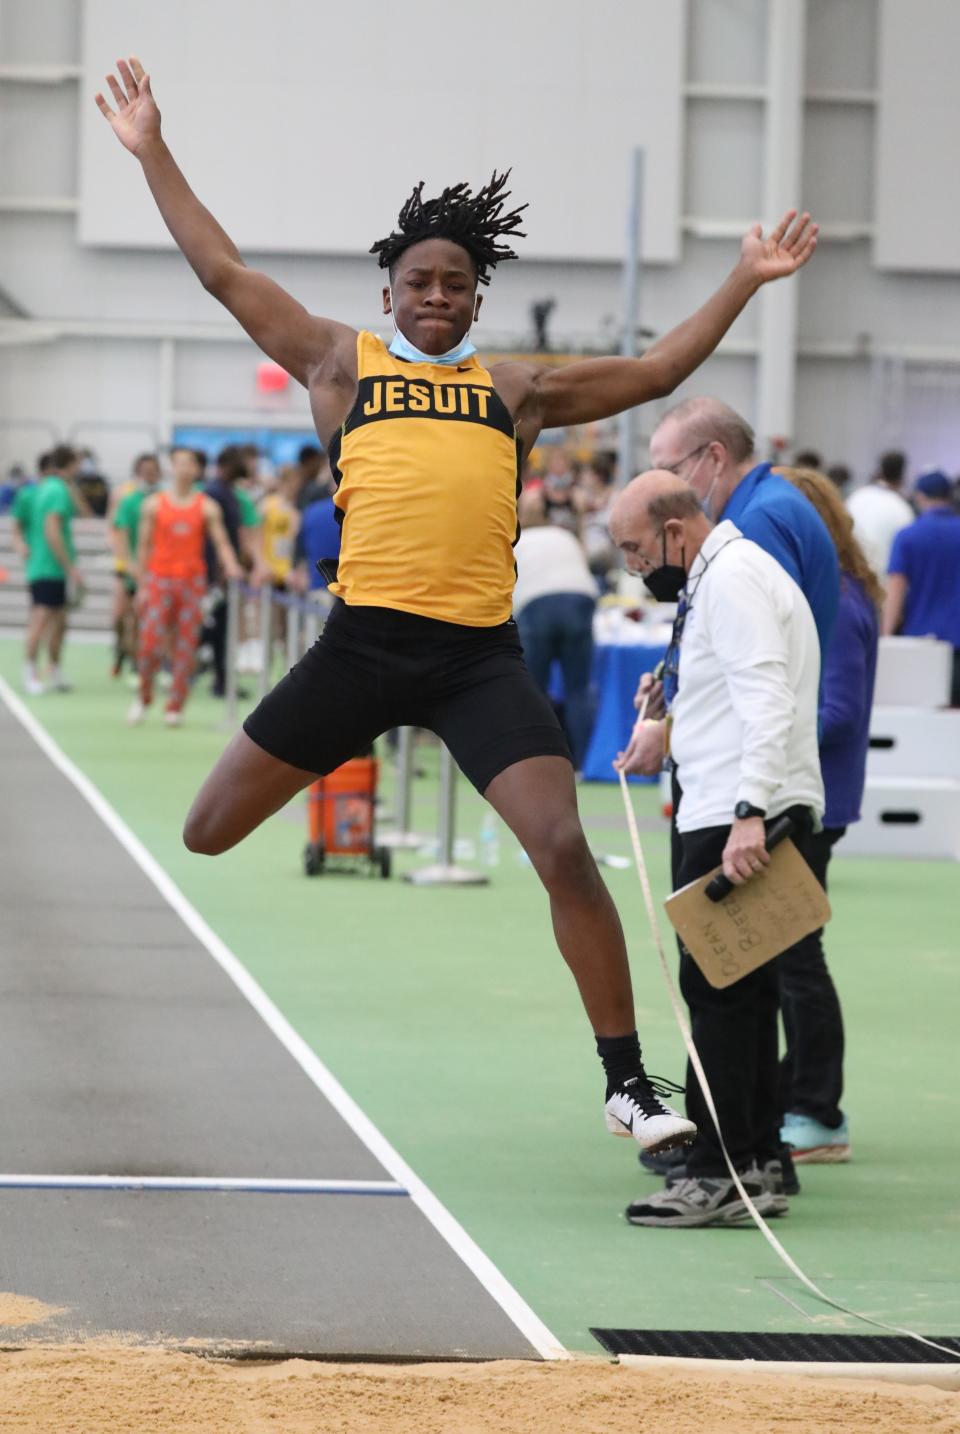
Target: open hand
{"x": 785, "y": 251}
{"x": 136, "y": 119}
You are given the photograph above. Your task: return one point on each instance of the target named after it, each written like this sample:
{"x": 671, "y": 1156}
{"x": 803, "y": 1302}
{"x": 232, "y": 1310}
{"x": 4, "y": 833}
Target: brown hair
{"x": 828, "y": 503}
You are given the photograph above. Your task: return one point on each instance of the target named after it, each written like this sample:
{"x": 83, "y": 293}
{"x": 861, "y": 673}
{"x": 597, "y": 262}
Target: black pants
{"x": 215, "y": 633}
{"x": 811, "y": 1072}
{"x": 735, "y": 1033}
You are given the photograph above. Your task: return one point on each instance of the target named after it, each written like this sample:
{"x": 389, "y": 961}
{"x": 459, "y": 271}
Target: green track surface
{"x": 449, "y": 1016}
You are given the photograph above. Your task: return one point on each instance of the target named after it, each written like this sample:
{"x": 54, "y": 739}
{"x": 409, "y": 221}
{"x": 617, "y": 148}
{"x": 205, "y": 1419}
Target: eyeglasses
{"x": 674, "y": 468}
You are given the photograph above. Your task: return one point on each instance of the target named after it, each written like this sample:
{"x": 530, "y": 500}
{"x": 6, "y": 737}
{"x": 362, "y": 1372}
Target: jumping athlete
{"x": 425, "y": 446}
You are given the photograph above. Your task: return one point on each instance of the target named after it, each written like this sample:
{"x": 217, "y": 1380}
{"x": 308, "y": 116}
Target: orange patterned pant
{"x": 170, "y": 620}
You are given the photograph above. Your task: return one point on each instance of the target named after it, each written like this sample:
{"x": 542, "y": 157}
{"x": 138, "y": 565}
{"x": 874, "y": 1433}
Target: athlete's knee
{"x": 203, "y": 833}
{"x": 562, "y": 857}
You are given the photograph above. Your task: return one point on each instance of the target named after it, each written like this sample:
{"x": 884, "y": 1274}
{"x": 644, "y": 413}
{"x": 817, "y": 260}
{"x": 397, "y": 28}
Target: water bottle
{"x": 490, "y": 840}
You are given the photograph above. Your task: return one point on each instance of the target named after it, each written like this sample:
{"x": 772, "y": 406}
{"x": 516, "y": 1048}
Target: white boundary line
{"x": 243, "y": 1184}
{"x": 480, "y": 1265}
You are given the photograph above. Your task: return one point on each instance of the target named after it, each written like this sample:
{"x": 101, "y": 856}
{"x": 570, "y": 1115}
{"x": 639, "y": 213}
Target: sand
{"x": 107, "y": 1390}
{"x": 19, "y": 1310}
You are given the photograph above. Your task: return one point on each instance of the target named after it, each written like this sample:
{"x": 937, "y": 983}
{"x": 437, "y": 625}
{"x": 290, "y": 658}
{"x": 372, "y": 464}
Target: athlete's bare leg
{"x": 537, "y": 799}
{"x": 36, "y": 628}
{"x": 55, "y": 633}
{"x": 245, "y": 787}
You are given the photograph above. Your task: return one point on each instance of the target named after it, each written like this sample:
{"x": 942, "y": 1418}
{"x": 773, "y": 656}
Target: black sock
{"x": 621, "y": 1058}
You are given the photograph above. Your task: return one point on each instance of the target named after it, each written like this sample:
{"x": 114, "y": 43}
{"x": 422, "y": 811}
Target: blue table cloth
{"x": 616, "y": 672}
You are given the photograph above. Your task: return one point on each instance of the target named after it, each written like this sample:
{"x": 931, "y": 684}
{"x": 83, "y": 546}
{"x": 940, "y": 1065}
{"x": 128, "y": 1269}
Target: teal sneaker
{"x": 814, "y": 1144}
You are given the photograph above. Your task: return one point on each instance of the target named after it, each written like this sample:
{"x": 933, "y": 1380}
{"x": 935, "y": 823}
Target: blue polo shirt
{"x": 319, "y": 537}
{"x": 927, "y": 554}
{"x": 778, "y": 518}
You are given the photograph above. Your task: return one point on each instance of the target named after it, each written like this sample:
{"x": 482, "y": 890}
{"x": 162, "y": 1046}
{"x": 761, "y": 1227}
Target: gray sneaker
{"x": 705, "y": 1200}
{"x": 773, "y": 1180}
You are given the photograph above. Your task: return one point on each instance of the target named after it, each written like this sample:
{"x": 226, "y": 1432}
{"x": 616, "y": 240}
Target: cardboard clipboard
{"x": 766, "y": 915}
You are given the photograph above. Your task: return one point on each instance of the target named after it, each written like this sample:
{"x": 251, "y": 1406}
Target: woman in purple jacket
{"x": 814, "y": 1126}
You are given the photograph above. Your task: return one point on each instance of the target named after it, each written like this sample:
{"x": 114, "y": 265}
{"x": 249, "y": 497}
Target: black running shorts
{"x": 374, "y": 668}
{"x": 49, "y": 592}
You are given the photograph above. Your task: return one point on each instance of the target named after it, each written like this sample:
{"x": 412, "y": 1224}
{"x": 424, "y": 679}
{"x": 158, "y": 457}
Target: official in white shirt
{"x": 744, "y": 737}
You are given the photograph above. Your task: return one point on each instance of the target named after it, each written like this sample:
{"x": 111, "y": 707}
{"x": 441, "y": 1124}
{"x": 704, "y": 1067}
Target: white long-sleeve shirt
{"x": 745, "y": 714}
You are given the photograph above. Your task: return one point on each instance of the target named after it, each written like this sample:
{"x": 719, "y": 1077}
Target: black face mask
{"x": 666, "y": 583}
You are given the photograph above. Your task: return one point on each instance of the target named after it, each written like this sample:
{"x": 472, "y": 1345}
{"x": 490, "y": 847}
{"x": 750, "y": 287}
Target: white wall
{"x": 918, "y": 204}
{"x": 877, "y": 353}
{"x": 356, "y": 103}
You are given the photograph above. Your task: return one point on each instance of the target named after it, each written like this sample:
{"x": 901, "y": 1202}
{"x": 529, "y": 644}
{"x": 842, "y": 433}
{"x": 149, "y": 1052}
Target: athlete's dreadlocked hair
{"x": 475, "y": 221}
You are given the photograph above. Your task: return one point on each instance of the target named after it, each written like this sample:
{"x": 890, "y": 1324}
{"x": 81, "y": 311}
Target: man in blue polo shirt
{"x": 923, "y": 587}
{"x": 711, "y": 447}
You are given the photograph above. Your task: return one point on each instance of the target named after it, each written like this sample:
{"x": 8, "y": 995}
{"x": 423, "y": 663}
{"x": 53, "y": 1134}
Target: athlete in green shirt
{"x": 44, "y": 514}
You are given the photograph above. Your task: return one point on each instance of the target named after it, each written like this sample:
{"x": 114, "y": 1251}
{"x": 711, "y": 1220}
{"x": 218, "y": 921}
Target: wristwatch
{"x": 743, "y": 810}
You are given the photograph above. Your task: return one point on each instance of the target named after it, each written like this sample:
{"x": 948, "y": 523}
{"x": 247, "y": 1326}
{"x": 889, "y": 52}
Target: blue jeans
{"x": 559, "y": 627}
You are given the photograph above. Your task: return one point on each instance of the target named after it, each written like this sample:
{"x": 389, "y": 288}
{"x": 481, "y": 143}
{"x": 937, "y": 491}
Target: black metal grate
{"x": 825, "y": 1348}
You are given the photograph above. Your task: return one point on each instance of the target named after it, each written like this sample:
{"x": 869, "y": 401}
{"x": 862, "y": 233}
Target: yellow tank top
{"x": 426, "y": 466}
{"x": 278, "y": 517}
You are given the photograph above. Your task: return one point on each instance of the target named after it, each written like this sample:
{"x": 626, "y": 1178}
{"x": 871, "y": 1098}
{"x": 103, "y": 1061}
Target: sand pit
{"x": 105, "y": 1390}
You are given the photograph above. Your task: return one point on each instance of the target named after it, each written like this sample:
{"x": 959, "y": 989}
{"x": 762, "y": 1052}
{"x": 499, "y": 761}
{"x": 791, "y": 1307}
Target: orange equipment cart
{"x": 340, "y": 820}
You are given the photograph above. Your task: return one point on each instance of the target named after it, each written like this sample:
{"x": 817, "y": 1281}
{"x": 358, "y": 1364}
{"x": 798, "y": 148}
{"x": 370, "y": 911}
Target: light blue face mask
{"x": 402, "y": 348}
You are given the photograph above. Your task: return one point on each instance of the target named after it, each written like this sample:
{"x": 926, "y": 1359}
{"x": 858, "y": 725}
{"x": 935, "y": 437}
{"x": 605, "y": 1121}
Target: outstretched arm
{"x": 598, "y": 388}
{"x": 273, "y": 319}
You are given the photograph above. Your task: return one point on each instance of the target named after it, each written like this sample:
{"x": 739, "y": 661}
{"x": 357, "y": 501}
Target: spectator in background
{"x": 16, "y": 479}
{"x": 256, "y": 483}
{"x": 840, "y": 476}
{"x": 318, "y": 541}
{"x": 241, "y": 522}
{"x": 553, "y": 605}
{"x": 808, "y": 458}
{"x": 281, "y": 524}
{"x": 315, "y": 478}
{"x": 92, "y": 485}
{"x": 20, "y": 506}
{"x": 923, "y": 586}
{"x": 44, "y": 516}
{"x": 559, "y": 478}
{"x": 172, "y": 576}
{"x": 592, "y": 498}
{"x": 811, "y": 1072}
{"x": 879, "y": 510}
{"x": 124, "y": 518}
